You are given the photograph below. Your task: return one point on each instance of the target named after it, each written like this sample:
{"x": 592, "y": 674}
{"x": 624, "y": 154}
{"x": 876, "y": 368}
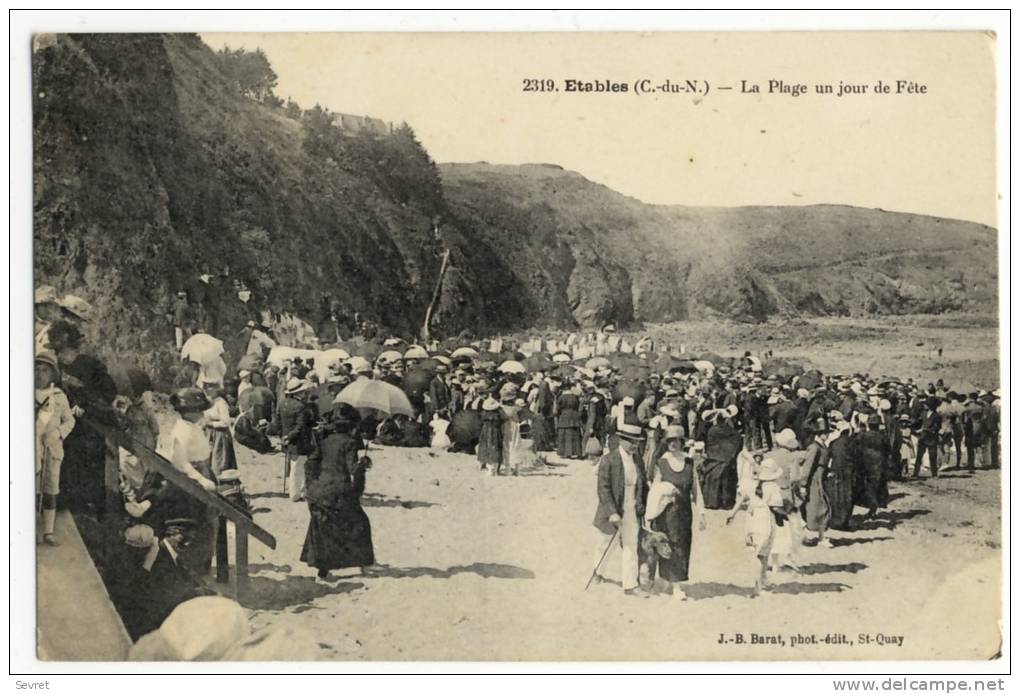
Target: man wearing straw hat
{"x": 297, "y": 419}
{"x": 622, "y": 492}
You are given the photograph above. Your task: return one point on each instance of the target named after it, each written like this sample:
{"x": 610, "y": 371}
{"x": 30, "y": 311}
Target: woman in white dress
{"x": 759, "y": 503}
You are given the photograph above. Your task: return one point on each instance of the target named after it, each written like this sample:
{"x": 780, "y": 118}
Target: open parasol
{"x": 376, "y": 395}
{"x": 202, "y": 348}
{"x": 511, "y": 367}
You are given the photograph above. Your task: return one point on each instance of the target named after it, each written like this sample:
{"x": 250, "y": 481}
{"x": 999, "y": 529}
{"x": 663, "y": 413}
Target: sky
{"x": 931, "y": 153}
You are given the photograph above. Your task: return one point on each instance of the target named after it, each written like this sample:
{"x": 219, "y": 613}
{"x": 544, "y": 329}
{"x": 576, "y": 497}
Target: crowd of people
{"x": 671, "y": 436}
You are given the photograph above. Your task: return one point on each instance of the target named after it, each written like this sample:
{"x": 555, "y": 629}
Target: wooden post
{"x": 111, "y": 479}
{"x": 222, "y": 553}
{"x": 239, "y": 579}
{"x": 435, "y": 296}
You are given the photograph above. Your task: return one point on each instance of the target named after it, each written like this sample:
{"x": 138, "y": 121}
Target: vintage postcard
{"x": 535, "y": 346}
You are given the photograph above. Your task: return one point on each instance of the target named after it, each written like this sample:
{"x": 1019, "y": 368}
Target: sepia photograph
{"x": 515, "y": 347}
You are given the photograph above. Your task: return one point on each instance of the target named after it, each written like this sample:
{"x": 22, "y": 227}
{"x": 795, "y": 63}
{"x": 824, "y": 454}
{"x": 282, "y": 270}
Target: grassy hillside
{"x": 742, "y": 262}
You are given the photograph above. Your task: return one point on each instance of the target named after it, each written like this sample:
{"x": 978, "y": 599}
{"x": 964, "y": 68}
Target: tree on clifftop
{"x": 250, "y": 73}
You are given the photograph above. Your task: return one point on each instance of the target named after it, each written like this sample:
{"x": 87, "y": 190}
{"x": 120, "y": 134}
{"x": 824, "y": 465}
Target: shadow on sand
{"x": 888, "y": 520}
{"x": 268, "y": 594}
{"x": 847, "y": 541}
{"x": 382, "y": 501}
{"x": 794, "y": 588}
{"x": 814, "y": 569}
{"x": 481, "y": 569}
{"x": 269, "y": 495}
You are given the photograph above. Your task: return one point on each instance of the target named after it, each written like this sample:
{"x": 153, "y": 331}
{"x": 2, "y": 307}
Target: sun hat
{"x": 188, "y": 400}
{"x": 769, "y": 470}
{"x": 787, "y": 439}
{"x": 490, "y": 404}
{"x": 140, "y": 536}
{"x": 200, "y": 629}
{"x": 76, "y": 306}
{"x": 45, "y": 294}
{"x": 297, "y": 385}
{"x": 673, "y": 431}
{"x": 416, "y": 352}
{"x": 47, "y": 357}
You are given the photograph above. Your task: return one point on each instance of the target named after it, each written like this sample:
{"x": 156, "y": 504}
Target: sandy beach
{"x": 480, "y": 568}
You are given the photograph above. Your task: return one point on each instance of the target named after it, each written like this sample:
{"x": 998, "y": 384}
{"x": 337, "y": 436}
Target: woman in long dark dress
{"x": 872, "y": 454}
{"x": 839, "y": 486}
{"x": 490, "y": 438}
{"x": 568, "y": 425}
{"x": 817, "y": 511}
{"x": 339, "y": 533}
{"x": 675, "y": 520}
{"x": 719, "y": 478}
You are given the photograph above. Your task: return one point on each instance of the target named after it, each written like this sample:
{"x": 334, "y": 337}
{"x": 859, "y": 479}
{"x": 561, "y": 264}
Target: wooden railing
{"x": 243, "y": 525}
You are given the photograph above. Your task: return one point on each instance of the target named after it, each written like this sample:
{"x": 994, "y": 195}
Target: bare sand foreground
{"x": 476, "y": 568}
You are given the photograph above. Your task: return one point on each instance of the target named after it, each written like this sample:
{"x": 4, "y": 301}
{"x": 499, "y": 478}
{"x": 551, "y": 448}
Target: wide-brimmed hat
{"x": 297, "y": 385}
{"x": 787, "y": 439}
{"x": 769, "y": 470}
{"x": 630, "y": 428}
{"x": 508, "y": 391}
{"x": 45, "y": 294}
{"x": 416, "y": 352}
{"x": 490, "y": 404}
{"x": 189, "y": 400}
{"x": 140, "y": 536}
{"x": 669, "y": 409}
{"x": 76, "y": 306}
{"x": 45, "y": 356}
{"x": 224, "y": 623}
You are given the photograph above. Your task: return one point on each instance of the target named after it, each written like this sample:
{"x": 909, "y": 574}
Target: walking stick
{"x": 595, "y": 571}
{"x": 286, "y": 469}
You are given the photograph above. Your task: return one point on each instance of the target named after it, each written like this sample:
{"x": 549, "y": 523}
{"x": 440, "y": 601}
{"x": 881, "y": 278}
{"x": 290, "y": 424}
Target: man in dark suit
{"x": 927, "y": 428}
{"x": 439, "y": 395}
{"x": 297, "y": 420}
{"x": 543, "y": 431}
{"x": 622, "y": 492}
{"x": 784, "y": 415}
